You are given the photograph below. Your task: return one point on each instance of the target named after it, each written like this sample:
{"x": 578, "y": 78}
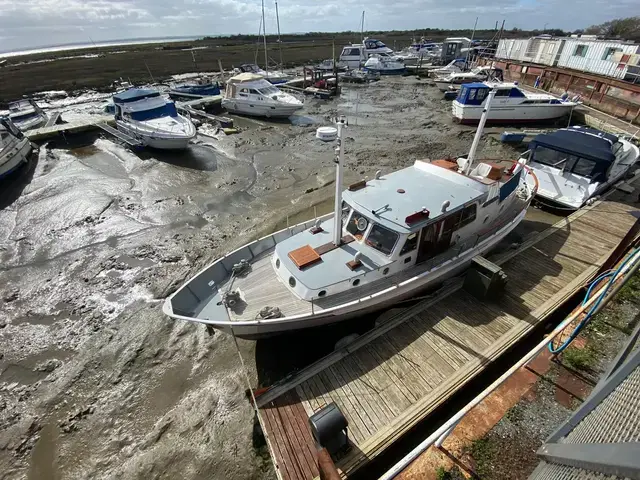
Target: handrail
{"x": 438, "y": 436}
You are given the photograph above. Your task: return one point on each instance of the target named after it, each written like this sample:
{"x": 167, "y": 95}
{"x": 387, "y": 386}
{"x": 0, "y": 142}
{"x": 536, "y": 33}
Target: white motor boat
{"x": 388, "y": 239}
{"x": 477, "y": 74}
{"x": 251, "y": 94}
{"x": 384, "y": 65}
{"x": 272, "y": 76}
{"x": 15, "y": 148}
{"x": 151, "y": 119}
{"x": 455, "y": 66}
{"x": 26, "y": 114}
{"x": 575, "y": 164}
{"x": 512, "y": 104}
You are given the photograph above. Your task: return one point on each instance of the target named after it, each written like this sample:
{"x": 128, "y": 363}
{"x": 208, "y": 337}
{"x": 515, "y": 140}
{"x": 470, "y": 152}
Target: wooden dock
{"x": 71, "y": 127}
{"x": 394, "y": 376}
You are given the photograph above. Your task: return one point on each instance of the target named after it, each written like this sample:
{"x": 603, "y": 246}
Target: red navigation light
{"x": 418, "y": 216}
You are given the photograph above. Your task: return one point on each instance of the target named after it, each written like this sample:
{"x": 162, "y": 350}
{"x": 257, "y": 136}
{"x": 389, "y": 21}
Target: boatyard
{"x": 179, "y": 299}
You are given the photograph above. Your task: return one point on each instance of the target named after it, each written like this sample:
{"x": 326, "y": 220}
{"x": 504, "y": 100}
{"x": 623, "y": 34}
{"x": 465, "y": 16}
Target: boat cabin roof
{"x": 580, "y": 141}
{"x": 246, "y": 77}
{"x": 135, "y": 94}
{"x": 408, "y": 199}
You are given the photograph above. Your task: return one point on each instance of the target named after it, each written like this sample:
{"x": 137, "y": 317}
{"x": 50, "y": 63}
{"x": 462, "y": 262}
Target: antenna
{"x": 264, "y": 37}
{"x": 279, "y": 41}
{"x": 362, "y": 27}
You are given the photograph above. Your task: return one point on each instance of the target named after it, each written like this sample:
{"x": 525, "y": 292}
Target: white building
{"x": 605, "y": 57}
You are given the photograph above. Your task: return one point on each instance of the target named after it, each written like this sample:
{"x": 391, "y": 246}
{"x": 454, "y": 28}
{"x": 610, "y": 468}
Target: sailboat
{"x": 389, "y": 238}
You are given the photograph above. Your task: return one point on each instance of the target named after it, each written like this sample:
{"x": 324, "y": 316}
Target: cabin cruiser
{"x": 329, "y": 66}
{"x": 271, "y": 76}
{"x": 384, "y": 65}
{"x": 146, "y": 116}
{"x": 575, "y": 164}
{"x": 477, "y": 74}
{"x": 372, "y": 46}
{"x": 26, "y": 114}
{"x": 251, "y": 94}
{"x": 15, "y": 148}
{"x": 512, "y": 104}
{"x": 199, "y": 88}
{"x": 458, "y": 65}
{"x": 389, "y": 238}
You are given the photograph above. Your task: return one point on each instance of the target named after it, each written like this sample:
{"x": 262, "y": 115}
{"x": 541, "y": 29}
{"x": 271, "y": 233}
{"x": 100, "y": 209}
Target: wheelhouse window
{"x": 357, "y": 225}
{"x": 468, "y": 215}
{"x": 410, "y": 244}
{"x": 581, "y": 166}
{"x": 502, "y": 93}
{"x": 382, "y": 239}
{"x": 552, "y": 158}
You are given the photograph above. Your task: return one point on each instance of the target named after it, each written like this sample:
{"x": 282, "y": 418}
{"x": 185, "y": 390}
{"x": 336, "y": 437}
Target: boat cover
{"x": 135, "y": 94}
{"x": 245, "y": 77}
{"x": 582, "y": 142}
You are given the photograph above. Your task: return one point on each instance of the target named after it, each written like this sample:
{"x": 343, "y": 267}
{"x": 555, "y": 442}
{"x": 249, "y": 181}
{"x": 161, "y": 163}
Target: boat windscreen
{"x": 569, "y": 163}
{"x": 166, "y": 110}
{"x": 382, "y": 239}
{"x": 269, "y": 90}
{"x": 357, "y": 225}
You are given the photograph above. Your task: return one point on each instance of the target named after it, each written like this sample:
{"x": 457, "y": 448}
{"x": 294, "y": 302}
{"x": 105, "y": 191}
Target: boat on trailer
{"x": 388, "y": 239}
{"x": 512, "y": 104}
{"x": 26, "y": 114}
{"x": 576, "y": 164}
{"x": 15, "y": 148}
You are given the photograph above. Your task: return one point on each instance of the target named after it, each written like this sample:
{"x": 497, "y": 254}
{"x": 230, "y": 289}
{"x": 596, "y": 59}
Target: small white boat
{"x": 477, "y": 74}
{"x": 251, "y": 94}
{"x": 151, "y": 119}
{"x": 26, "y": 114}
{"x": 512, "y": 104}
{"x": 15, "y": 148}
{"x": 272, "y": 76}
{"x": 384, "y": 65}
{"x": 576, "y": 164}
{"x": 389, "y": 238}
{"x": 455, "y": 66}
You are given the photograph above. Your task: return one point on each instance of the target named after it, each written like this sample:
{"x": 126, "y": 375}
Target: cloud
{"x": 30, "y": 23}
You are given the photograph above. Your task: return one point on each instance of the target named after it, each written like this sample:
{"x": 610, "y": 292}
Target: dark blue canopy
{"x": 134, "y": 94}
{"x": 580, "y": 141}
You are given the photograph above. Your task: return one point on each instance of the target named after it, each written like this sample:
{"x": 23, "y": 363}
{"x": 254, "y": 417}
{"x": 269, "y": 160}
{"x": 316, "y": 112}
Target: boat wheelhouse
{"x": 576, "y": 164}
{"x": 251, "y": 94}
{"x": 511, "y": 104}
{"x": 372, "y": 46}
{"x": 147, "y": 116}
{"x": 26, "y": 114}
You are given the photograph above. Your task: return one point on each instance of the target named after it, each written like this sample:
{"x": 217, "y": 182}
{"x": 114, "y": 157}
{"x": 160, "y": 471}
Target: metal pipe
{"x": 476, "y": 139}
{"x": 435, "y": 436}
{"x": 337, "y": 211}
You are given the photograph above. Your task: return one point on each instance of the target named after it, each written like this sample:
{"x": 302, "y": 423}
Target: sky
{"x": 34, "y": 23}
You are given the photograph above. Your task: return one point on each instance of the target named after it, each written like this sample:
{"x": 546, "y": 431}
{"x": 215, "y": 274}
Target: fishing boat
{"x": 274, "y": 77}
{"x": 512, "y": 104}
{"x": 477, "y": 74}
{"x": 389, "y": 238}
{"x": 15, "y": 148}
{"x": 151, "y": 119}
{"x": 251, "y": 94}
{"x": 198, "y": 88}
{"x": 576, "y": 164}
{"x": 26, "y": 114}
{"x": 384, "y": 65}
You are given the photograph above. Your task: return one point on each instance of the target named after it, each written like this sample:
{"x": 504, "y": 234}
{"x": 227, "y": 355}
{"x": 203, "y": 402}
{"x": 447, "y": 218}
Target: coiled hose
{"x": 630, "y": 263}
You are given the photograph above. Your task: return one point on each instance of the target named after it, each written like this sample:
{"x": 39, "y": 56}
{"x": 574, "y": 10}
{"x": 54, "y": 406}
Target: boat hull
{"x": 31, "y": 123}
{"x": 255, "y": 109}
{"x": 253, "y": 330}
{"x": 155, "y": 138}
{"x": 14, "y": 157}
{"x": 470, "y": 114}
{"x": 392, "y": 71}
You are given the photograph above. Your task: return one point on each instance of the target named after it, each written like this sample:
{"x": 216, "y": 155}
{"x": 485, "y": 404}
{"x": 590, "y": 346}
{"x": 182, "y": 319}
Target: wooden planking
{"x": 432, "y": 352}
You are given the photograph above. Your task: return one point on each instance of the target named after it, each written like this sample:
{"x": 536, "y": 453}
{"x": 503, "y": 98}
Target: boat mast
{"x": 264, "y": 37}
{"x": 362, "y": 27}
{"x": 279, "y": 41}
{"x": 337, "y": 212}
{"x": 476, "y": 139}
{"x": 473, "y": 34}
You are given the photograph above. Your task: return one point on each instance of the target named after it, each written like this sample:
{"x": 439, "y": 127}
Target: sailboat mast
{"x": 279, "y": 41}
{"x": 476, "y": 139}
{"x": 264, "y": 37}
{"x": 362, "y": 28}
{"x": 337, "y": 212}
{"x": 473, "y": 34}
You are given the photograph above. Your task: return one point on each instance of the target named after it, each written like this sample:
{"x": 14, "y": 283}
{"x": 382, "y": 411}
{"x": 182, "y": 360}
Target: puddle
{"x": 44, "y": 455}
{"x": 304, "y": 121}
{"x": 196, "y": 157}
{"x": 63, "y": 311}
{"x": 235, "y": 203}
{"x": 85, "y": 151}
{"x": 134, "y": 262}
{"x": 194, "y": 221}
{"x": 24, "y": 372}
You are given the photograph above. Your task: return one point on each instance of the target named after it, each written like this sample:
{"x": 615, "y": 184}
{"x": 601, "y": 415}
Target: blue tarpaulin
{"x": 167, "y": 110}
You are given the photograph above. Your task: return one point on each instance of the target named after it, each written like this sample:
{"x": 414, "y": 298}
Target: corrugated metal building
{"x": 604, "y": 57}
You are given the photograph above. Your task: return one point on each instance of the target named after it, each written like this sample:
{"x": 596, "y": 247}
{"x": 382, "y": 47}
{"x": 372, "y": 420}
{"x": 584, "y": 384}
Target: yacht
{"x": 512, "y": 104}
{"x": 575, "y": 164}
{"x": 373, "y": 46}
{"x": 272, "y": 76}
{"x": 251, "y": 94}
{"x": 384, "y": 65}
{"x": 199, "y": 88}
{"x": 26, "y": 114}
{"x": 389, "y": 238}
{"x": 477, "y": 74}
{"x": 151, "y": 119}
{"x": 15, "y": 148}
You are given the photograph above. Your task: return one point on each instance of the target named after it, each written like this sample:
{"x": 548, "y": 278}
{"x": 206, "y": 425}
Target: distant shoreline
{"x": 106, "y": 43}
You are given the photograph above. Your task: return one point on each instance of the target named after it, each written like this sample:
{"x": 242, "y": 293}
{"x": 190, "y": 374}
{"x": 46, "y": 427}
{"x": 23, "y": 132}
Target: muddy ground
{"x": 95, "y": 381}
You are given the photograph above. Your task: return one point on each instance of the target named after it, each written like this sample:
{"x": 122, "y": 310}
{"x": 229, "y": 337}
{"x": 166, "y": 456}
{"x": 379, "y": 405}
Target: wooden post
{"x": 326, "y": 467}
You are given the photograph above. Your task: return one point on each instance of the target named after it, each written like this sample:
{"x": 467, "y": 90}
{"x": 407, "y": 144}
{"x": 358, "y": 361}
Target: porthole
{"x": 277, "y": 263}
{"x": 292, "y": 281}
{"x": 356, "y": 282}
{"x": 385, "y": 271}
{"x": 322, "y": 293}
